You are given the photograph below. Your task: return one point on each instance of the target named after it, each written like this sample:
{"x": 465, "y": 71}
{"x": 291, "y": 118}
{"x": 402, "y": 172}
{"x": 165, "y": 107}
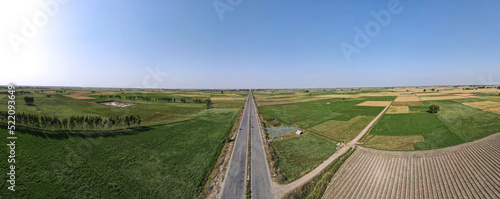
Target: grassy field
{"x": 456, "y": 123}
{"x": 467, "y": 122}
{"x": 327, "y": 120}
{"x": 151, "y": 112}
{"x": 168, "y": 161}
{"x": 401, "y": 128}
{"x": 295, "y": 159}
{"x": 310, "y": 114}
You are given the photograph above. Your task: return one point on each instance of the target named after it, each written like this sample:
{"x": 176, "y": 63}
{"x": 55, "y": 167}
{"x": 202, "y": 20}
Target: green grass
{"x": 309, "y": 114}
{"x": 419, "y": 109}
{"x": 168, "y": 161}
{"x": 315, "y": 188}
{"x": 151, "y": 112}
{"x": 467, "y": 122}
{"x": 454, "y": 124}
{"x": 436, "y": 134}
{"x": 342, "y": 130}
{"x": 300, "y": 154}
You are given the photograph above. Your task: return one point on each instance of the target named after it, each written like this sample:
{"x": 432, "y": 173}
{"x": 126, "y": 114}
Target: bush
{"x": 433, "y": 108}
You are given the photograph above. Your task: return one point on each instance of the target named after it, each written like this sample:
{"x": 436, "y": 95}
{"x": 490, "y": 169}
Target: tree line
{"x": 29, "y": 100}
{"x": 74, "y": 122}
{"x": 208, "y": 101}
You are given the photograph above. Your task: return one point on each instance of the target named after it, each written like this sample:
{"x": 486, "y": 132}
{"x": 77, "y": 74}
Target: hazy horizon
{"x": 249, "y": 44}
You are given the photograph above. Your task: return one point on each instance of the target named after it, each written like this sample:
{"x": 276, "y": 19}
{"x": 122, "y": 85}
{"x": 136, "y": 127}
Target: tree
{"x": 425, "y": 90}
{"x": 209, "y": 102}
{"x": 434, "y": 108}
{"x": 48, "y": 95}
{"x": 29, "y": 100}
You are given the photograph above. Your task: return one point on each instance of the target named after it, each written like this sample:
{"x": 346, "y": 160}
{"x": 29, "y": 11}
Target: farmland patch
{"x": 387, "y": 142}
{"x": 407, "y": 98}
{"x": 374, "y": 103}
{"x": 442, "y": 98}
{"x": 299, "y": 155}
{"x": 490, "y": 106}
{"x": 398, "y": 109}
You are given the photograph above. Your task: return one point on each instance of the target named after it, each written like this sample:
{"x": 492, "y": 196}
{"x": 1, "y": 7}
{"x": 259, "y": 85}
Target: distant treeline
{"x": 162, "y": 99}
{"x": 74, "y": 122}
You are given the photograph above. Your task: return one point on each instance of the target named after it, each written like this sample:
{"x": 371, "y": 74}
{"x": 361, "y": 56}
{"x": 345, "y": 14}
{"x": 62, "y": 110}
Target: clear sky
{"x": 249, "y": 43}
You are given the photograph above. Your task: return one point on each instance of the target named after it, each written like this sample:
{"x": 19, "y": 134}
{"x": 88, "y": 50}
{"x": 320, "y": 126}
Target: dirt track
{"x": 470, "y": 170}
{"x": 280, "y": 190}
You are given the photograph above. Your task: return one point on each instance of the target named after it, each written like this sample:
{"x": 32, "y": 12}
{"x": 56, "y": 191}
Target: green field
{"x": 168, "y": 161}
{"x": 169, "y": 156}
{"x": 436, "y": 134}
{"x": 295, "y": 159}
{"x": 454, "y": 124}
{"x": 327, "y": 120}
{"x": 467, "y": 122}
{"x": 309, "y": 114}
{"x": 151, "y": 112}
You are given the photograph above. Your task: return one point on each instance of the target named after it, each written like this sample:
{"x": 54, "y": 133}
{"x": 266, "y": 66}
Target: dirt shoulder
{"x": 219, "y": 173}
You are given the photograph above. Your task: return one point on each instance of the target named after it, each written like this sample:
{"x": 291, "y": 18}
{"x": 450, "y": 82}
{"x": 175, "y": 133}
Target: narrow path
{"x": 280, "y": 190}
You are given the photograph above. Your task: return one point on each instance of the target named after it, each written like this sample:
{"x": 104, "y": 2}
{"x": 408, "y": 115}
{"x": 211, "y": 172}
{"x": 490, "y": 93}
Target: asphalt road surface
{"x": 260, "y": 179}
{"x": 235, "y": 180}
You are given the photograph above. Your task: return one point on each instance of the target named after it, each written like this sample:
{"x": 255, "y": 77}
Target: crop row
{"x": 469, "y": 171}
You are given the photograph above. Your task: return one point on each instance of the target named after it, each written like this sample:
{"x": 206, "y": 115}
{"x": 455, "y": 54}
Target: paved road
{"x": 235, "y": 180}
{"x": 260, "y": 179}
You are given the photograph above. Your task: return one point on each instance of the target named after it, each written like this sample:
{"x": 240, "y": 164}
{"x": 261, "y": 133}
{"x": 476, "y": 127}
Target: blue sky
{"x": 259, "y": 44}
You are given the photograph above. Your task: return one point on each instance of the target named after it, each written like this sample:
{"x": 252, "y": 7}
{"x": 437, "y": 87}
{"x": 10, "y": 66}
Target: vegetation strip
{"x": 315, "y": 188}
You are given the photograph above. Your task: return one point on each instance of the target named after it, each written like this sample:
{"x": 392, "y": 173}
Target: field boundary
{"x": 432, "y": 152}
{"x": 102, "y": 130}
{"x": 281, "y": 190}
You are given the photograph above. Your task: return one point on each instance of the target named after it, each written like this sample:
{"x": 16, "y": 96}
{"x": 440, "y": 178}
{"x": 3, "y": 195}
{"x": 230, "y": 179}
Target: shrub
{"x": 433, "y": 108}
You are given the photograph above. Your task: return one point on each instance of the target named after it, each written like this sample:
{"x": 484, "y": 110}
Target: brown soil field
{"x": 414, "y": 103}
{"x": 460, "y": 91}
{"x": 378, "y": 94}
{"x": 470, "y": 170}
{"x": 465, "y": 94}
{"x": 407, "y": 98}
{"x": 442, "y": 98}
{"x": 221, "y": 98}
{"x": 374, "y": 103}
{"x": 398, "y": 109}
{"x": 485, "y": 105}
{"x": 431, "y": 94}
{"x": 49, "y": 92}
{"x": 75, "y": 96}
